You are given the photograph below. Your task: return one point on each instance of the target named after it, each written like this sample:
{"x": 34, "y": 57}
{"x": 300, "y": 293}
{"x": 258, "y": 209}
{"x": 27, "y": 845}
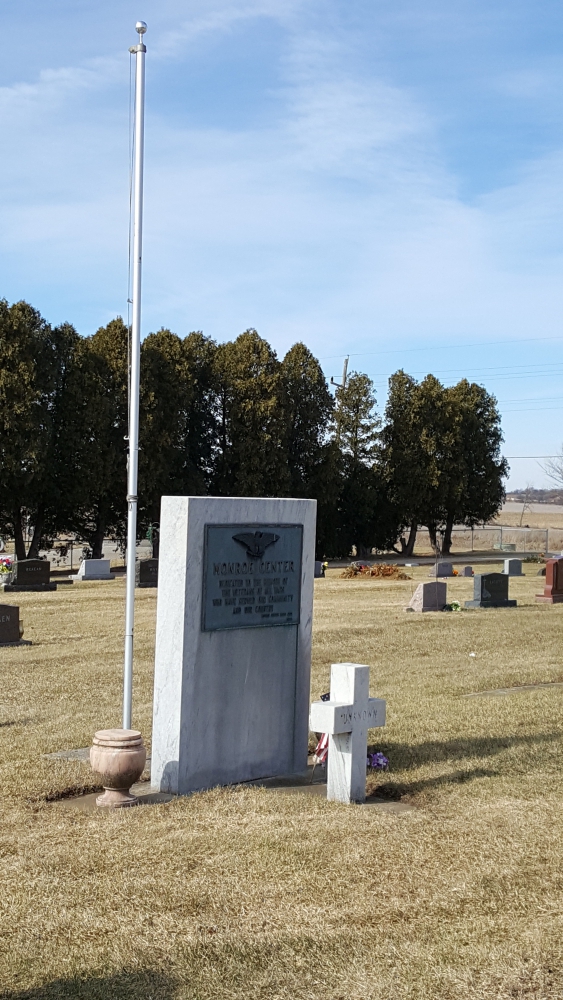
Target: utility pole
{"x": 139, "y": 51}
{"x": 334, "y": 382}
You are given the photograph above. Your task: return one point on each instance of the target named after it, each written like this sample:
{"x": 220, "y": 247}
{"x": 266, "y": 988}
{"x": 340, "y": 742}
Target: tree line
{"x": 231, "y": 419}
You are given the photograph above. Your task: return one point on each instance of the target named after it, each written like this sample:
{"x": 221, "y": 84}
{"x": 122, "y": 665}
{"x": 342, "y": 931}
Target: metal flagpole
{"x": 139, "y": 50}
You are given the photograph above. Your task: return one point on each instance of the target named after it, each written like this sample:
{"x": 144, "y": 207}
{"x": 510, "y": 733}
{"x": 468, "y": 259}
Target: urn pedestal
{"x": 118, "y": 756}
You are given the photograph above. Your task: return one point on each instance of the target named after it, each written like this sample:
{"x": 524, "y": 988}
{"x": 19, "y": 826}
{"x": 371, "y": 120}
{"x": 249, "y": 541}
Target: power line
{"x": 496, "y": 378}
{"x": 443, "y": 347}
{"x": 488, "y": 368}
{"x": 531, "y": 399}
{"x": 534, "y": 409}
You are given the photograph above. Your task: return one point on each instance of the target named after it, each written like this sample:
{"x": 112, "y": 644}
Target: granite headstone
{"x": 490, "y": 590}
{"x": 147, "y": 573}
{"x": 442, "y": 569}
{"x": 93, "y": 569}
{"x": 513, "y": 567}
{"x": 553, "y": 591}
{"x": 31, "y": 575}
{"x": 9, "y": 624}
{"x": 429, "y": 597}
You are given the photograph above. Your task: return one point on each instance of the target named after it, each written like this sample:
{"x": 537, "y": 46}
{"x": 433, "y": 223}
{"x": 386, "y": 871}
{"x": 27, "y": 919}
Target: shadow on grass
{"x": 392, "y": 791}
{"x": 15, "y": 722}
{"x": 147, "y": 985}
{"x": 409, "y": 755}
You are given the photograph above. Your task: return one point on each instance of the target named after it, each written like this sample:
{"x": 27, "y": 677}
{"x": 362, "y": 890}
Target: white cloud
{"x": 208, "y": 18}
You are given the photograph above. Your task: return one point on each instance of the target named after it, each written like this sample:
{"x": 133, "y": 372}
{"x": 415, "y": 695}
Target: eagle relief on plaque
{"x": 252, "y": 575}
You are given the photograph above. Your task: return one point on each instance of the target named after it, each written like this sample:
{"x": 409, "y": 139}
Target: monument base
{"x": 498, "y": 604}
{"x": 554, "y": 599}
{"x": 20, "y": 588}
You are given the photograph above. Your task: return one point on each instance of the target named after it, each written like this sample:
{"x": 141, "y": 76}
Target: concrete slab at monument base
{"x": 303, "y": 783}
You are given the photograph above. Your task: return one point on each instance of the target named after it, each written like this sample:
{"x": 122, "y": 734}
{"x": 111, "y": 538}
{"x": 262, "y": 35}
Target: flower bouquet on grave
{"x": 320, "y": 753}
{"x": 377, "y": 761}
{"x": 6, "y": 569}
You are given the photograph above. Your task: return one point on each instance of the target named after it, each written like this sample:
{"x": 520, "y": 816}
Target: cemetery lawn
{"x": 253, "y": 894}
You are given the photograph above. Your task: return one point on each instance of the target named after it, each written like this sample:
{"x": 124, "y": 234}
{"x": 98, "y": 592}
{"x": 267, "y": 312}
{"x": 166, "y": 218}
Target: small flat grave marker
{"x": 553, "y": 591}
{"x": 346, "y": 718}
{"x": 490, "y": 590}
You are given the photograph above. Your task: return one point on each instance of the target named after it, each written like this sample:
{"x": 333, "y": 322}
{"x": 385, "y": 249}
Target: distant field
{"x": 248, "y": 894}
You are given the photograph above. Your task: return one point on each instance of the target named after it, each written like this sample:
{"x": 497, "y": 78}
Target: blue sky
{"x": 380, "y": 179}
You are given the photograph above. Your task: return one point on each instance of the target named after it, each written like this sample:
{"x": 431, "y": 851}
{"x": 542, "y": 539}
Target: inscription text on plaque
{"x": 252, "y": 575}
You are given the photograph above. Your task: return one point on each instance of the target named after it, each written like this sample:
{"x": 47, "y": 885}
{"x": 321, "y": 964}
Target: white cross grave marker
{"x": 346, "y": 718}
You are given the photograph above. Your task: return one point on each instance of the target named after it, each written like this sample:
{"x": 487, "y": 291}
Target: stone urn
{"x": 118, "y": 756}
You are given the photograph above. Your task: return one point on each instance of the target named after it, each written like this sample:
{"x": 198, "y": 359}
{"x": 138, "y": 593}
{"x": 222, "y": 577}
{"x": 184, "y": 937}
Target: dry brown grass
{"x": 253, "y": 894}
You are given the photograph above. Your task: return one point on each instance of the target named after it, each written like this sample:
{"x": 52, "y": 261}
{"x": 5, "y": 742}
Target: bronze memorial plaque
{"x": 251, "y": 575}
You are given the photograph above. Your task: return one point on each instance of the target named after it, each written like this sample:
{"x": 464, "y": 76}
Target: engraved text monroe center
{"x": 255, "y": 591}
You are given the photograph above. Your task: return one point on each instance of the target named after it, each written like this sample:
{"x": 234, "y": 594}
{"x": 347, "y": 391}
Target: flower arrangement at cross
{"x": 377, "y": 761}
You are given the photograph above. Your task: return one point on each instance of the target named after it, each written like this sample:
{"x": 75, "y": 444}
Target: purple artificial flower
{"x": 377, "y": 761}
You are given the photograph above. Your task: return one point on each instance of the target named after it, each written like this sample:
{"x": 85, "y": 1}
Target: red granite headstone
{"x": 553, "y": 593}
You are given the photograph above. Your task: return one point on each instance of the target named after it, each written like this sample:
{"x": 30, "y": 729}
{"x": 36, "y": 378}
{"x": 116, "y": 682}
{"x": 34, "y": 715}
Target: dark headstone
{"x": 490, "y": 590}
{"x": 513, "y": 567}
{"x": 319, "y": 569}
{"x": 32, "y": 574}
{"x": 9, "y": 623}
{"x": 553, "y": 592}
{"x": 147, "y": 573}
{"x": 541, "y": 572}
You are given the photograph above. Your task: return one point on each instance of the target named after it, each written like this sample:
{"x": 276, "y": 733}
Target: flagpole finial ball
{"x": 141, "y": 27}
